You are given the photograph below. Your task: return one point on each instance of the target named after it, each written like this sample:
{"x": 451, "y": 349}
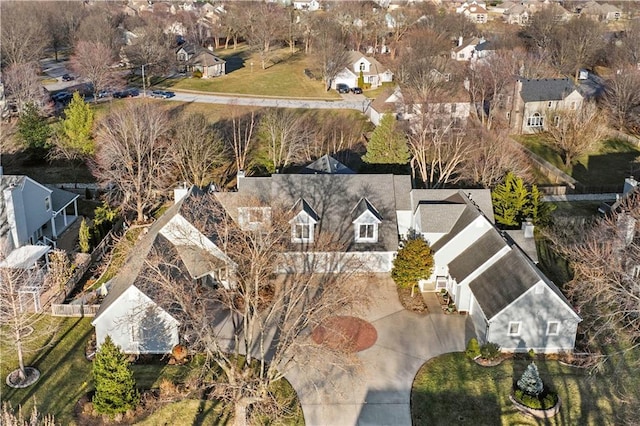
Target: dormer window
{"x": 303, "y": 223}
{"x": 362, "y": 66}
{"x": 366, "y": 222}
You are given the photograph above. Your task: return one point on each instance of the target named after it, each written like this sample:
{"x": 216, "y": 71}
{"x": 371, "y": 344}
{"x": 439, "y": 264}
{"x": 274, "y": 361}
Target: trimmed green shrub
{"x": 84, "y": 236}
{"x": 532, "y": 354}
{"x": 473, "y": 348}
{"x": 542, "y": 402}
{"x": 490, "y": 350}
{"x": 197, "y": 74}
{"x": 361, "y": 80}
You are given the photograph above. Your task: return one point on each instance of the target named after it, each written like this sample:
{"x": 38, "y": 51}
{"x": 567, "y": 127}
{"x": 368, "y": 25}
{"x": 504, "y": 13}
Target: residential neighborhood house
{"x": 374, "y": 72}
{"x": 487, "y": 275}
{"x": 193, "y": 58}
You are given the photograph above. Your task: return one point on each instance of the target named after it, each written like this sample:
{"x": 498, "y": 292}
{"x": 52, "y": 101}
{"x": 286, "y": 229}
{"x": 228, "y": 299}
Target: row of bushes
{"x": 488, "y": 350}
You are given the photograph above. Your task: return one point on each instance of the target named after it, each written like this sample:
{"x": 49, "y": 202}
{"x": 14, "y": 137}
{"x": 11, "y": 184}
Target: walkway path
{"x": 581, "y": 197}
{"x": 379, "y": 393}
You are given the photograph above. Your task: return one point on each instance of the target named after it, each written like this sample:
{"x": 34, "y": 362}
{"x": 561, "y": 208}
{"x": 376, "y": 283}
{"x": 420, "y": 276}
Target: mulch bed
{"x": 349, "y": 334}
{"x": 413, "y": 304}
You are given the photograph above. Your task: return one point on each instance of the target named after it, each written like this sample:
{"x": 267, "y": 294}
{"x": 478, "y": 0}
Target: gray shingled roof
{"x": 480, "y": 197}
{"x": 439, "y": 217}
{"x": 333, "y": 198}
{"x": 468, "y": 215}
{"x": 476, "y": 255}
{"x": 60, "y": 197}
{"x": 546, "y": 89}
{"x": 328, "y": 165}
{"x": 503, "y": 282}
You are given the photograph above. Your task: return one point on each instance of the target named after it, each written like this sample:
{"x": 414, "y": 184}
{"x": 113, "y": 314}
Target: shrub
{"x": 530, "y": 381}
{"x": 197, "y": 74}
{"x": 179, "y": 352}
{"x": 473, "y": 348}
{"x": 532, "y": 354}
{"x": 116, "y": 391}
{"x": 541, "y": 402}
{"x": 490, "y": 350}
{"x": 84, "y": 236}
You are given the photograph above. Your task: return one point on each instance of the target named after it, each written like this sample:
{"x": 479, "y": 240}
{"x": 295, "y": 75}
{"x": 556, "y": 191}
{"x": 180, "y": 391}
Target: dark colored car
{"x": 356, "y": 90}
{"x": 128, "y": 93}
{"x": 68, "y": 77}
{"x": 162, "y": 94}
{"x": 61, "y": 96}
{"x": 342, "y": 88}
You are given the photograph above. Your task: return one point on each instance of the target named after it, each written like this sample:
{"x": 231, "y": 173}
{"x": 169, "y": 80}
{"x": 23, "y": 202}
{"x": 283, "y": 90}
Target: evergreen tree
{"x": 540, "y": 211}
{"x": 361, "y": 80}
{"x": 75, "y": 131}
{"x": 414, "y": 262}
{"x": 530, "y": 381}
{"x": 33, "y": 129}
{"x": 84, "y": 237}
{"x": 387, "y": 144}
{"x": 513, "y": 203}
{"x": 115, "y": 386}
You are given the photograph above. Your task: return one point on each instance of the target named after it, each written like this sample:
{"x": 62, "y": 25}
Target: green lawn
{"x": 609, "y": 164}
{"x": 66, "y": 376}
{"x": 451, "y": 389}
{"x": 283, "y": 77}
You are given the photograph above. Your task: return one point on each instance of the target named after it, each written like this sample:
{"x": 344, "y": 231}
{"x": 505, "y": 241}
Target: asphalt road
{"x": 356, "y": 102}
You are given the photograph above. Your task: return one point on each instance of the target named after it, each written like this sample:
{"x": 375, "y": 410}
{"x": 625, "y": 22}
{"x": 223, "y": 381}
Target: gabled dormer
{"x": 366, "y": 222}
{"x": 303, "y": 223}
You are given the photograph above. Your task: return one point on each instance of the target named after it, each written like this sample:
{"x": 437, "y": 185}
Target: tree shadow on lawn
{"x": 237, "y": 60}
{"x": 608, "y": 169}
{"x": 459, "y": 408}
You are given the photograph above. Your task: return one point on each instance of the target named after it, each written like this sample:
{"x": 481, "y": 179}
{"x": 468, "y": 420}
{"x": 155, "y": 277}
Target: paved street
{"x": 356, "y": 102}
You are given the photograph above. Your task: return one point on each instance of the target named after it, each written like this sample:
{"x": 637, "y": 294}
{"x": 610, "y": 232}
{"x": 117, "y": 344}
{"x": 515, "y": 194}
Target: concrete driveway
{"x": 379, "y": 392}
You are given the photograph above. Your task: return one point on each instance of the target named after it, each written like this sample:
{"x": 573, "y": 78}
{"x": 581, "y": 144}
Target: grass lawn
{"x": 189, "y": 412}
{"x": 451, "y": 389}
{"x": 609, "y": 164}
{"x": 285, "y": 77}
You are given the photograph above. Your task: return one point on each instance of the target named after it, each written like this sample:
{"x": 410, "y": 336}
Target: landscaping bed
{"x": 413, "y": 304}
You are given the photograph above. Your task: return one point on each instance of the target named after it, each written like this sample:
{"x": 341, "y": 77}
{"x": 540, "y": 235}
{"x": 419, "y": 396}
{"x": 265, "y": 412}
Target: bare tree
{"x": 153, "y": 49}
{"x": 22, "y": 84}
{"x": 266, "y": 24}
{"x": 92, "y": 61}
{"x": 198, "y": 149}
{"x": 261, "y": 327}
{"x": 575, "y": 131}
{"x": 61, "y": 23}
{"x": 577, "y": 44}
{"x": 605, "y": 260}
{"x": 18, "y": 315}
{"x": 283, "y": 136}
{"x": 243, "y": 140}
{"x": 328, "y": 48}
{"x": 133, "y": 157}
{"x": 101, "y": 25}
{"x": 622, "y": 99}
{"x": 437, "y": 151}
{"x": 22, "y": 38}
{"x": 490, "y": 156}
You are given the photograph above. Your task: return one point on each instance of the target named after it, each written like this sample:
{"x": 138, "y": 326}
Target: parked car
{"x": 68, "y": 77}
{"x": 105, "y": 93}
{"x": 163, "y": 94}
{"x": 127, "y": 93}
{"x": 342, "y": 88}
{"x": 356, "y": 90}
{"x": 61, "y": 96}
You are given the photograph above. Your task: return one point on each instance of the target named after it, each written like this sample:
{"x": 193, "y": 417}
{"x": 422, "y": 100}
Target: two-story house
{"x": 534, "y": 100}
{"x": 474, "y": 11}
{"x": 471, "y": 48}
{"x": 373, "y": 72}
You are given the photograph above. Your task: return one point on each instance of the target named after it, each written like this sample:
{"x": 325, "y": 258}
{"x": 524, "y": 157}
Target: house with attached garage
{"x": 193, "y": 58}
{"x": 374, "y": 72}
{"x": 365, "y": 217}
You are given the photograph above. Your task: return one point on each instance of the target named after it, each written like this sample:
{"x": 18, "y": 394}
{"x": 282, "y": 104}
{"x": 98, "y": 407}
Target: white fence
{"x": 74, "y": 310}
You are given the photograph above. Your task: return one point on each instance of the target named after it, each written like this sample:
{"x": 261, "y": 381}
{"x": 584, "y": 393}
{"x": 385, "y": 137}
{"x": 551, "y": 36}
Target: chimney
{"x": 210, "y": 48}
{"x": 239, "y": 178}
{"x": 460, "y": 40}
{"x": 180, "y": 192}
{"x": 527, "y": 227}
{"x": 629, "y": 183}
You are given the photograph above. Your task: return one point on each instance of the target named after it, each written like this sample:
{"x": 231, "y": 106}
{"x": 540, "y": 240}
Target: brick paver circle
{"x": 346, "y": 333}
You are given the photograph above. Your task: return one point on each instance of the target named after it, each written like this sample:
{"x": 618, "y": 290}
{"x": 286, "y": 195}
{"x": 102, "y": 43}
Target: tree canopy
{"x": 413, "y": 263}
{"x": 513, "y": 202}
{"x": 75, "y": 138}
{"x": 33, "y": 128}
{"x": 387, "y": 144}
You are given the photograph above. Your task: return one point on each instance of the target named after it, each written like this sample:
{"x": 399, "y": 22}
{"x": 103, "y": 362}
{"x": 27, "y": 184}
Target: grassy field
{"x": 284, "y": 76}
{"x": 451, "y": 389}
{"x": 66, "y": 376}
{"x": 609, "y": 164}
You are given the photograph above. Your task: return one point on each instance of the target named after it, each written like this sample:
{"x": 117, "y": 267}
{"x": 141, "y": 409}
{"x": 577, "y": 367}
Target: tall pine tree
{"x": 33, "y": 129}
{"x": 75, "y": 139}
{"x": 513, "y": 203}
{"x": 116, "y": 391}
{"x": 387, "y": 145}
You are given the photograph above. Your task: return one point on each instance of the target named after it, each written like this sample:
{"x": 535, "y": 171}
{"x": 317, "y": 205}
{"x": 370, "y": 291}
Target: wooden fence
{"x": 58, "y": 310}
